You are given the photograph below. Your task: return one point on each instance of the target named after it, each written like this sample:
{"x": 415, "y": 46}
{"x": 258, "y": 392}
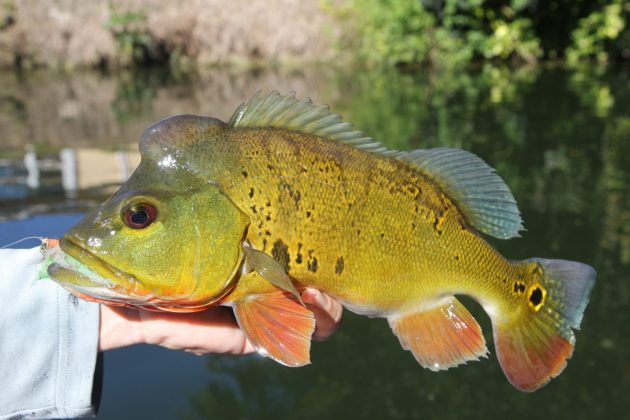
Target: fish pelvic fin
{"x": 441, "y": 336}
{"x": 534, "y": 342}
{"x": 278, "y": 326}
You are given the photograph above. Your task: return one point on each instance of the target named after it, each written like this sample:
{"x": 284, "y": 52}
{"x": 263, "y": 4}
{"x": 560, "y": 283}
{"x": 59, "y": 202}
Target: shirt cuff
{"x": 48, "y": 342}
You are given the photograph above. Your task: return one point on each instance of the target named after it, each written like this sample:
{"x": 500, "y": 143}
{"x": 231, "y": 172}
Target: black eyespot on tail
{"x": 536, "y": 296}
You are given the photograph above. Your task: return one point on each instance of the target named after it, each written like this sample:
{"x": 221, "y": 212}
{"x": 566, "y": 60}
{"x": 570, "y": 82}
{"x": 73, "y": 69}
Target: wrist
{"x": 119, "y": 327}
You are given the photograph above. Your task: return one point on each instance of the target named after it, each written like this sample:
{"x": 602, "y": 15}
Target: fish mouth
{"x": 96, "y": 280}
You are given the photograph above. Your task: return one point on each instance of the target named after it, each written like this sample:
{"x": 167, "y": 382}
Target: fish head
{"x": 166, "y": 240}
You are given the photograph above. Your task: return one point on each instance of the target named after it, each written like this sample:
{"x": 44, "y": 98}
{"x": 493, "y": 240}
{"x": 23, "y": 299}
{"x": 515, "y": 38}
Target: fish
{"x": 286, "y": 195}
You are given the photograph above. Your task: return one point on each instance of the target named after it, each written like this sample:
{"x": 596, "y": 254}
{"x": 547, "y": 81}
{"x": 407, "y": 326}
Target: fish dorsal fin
{"x": 288, "y": 112}
{"x": 480, "y": 194}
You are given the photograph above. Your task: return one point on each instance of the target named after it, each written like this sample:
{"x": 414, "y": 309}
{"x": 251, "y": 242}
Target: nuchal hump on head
{"x": 182, "y": 142}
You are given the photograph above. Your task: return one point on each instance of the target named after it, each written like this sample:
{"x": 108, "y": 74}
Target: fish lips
{"x": 102, "y": 282}
{"x": 106, "y": 284}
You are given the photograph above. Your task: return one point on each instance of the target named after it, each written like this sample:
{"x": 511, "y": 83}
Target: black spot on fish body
{"x": 443, "y": 202}
{"x": 298, "y": 257}
{"x": 280, "y": 253}
{"x": 312, "y": 265}
{"x": 251, "y": 193}
{"x": 519, "y": 287}
{"x": 339, "y": 265}
{"x": 308, "y": 214}
{"x": 245, "y": 174}
{"x": 293, "y": 194}
{"x": 253, "y": 209}
{"x": 438, "y": 222}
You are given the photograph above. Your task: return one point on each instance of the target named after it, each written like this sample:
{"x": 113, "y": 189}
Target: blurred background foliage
{"x": 447, "y": 34}
{"x": 454, "y": 33}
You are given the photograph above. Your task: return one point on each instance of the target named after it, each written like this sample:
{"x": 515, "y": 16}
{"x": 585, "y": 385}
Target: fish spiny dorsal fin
{"x": 288, "y": 112}
{"x": 480, "y": 194}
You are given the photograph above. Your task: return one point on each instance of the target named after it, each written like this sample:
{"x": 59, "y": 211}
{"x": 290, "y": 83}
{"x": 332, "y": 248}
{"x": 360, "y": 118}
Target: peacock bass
{"x": 285, "y": 195}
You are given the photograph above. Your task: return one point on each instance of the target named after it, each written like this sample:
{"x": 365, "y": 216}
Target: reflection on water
{"x": 560, "y": 139}
{"x": 26, "y": 183}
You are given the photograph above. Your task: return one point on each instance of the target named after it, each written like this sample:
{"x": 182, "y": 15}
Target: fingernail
{"x": 321, "y": 299}
{"x": 309, "y": 294}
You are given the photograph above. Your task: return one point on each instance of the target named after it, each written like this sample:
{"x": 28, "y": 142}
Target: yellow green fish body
{"x": 285, "y": 196}
{"x": 368, "y": 230}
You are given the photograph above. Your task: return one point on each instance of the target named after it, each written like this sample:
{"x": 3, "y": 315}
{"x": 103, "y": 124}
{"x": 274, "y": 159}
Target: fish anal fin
{"x": 278, "y": 326}
{"x": 441, "y": 337}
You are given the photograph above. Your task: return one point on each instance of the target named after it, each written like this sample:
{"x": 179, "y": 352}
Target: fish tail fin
{"x": 534, "y": 342}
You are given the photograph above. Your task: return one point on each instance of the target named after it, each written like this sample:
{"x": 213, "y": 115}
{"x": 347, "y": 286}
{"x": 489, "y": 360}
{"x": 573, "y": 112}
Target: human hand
{"x": 211, "y": 331}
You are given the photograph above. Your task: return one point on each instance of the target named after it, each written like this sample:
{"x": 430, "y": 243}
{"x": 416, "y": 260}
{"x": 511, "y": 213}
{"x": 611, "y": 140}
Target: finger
{"x": 211, "y": 331}
{"x": 327, "y": 312}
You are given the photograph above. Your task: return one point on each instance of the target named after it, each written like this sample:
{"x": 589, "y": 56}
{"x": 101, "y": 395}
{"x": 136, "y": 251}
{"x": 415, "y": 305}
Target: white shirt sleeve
{"x": 48, "y": 343}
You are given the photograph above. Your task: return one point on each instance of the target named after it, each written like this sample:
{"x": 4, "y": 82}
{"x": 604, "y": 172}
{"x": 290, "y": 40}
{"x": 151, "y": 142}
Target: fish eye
{"x": 139, "y": 216}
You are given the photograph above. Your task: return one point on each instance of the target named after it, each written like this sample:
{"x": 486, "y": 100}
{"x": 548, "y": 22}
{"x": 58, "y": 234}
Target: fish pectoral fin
{"x": 277, "y": 326}
{"x": 270, "y": 270}
{"x": 442, "y": 336}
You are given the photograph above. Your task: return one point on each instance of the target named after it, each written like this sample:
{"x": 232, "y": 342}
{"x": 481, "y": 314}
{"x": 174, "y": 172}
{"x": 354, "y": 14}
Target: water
{"x": 560, "y": 139}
